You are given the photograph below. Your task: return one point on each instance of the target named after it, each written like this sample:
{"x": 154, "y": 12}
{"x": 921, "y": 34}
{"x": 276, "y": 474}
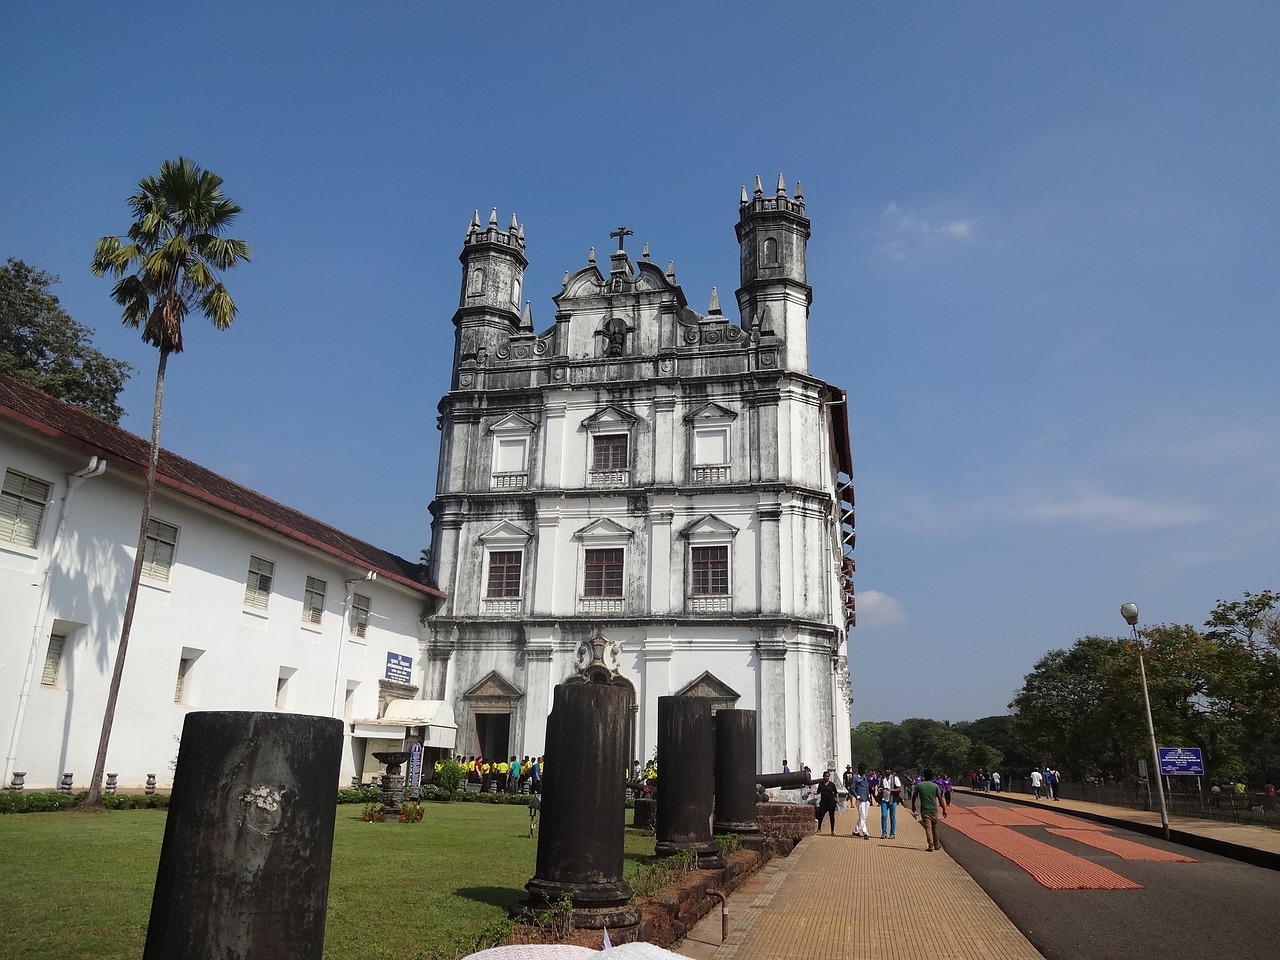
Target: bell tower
{"x": 773, "y": 236}
{"x": 493, "y": 264}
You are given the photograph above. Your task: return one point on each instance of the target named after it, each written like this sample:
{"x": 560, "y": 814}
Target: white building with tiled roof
{"x": 245, "y": 604}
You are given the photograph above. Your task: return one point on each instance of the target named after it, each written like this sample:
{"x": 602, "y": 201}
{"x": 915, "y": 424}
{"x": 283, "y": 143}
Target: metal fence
{"x": 1180, "y": 796}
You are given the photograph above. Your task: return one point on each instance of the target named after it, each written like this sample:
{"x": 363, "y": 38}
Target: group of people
{"x": 1045, "y": 781}
{"x": 517, "y": 775}
{"x": 984, "y": 781}
{"x": 888, "y": 789}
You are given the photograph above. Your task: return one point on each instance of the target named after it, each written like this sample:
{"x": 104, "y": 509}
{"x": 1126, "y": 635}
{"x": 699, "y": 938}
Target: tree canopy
{"x": 41, "y": 345}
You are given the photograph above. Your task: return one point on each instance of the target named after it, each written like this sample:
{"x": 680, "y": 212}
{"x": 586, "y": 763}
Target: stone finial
{"x": 565, "y": 281}
{"x": 671, "y": 271}
{"x": 759, "y": 190}
{"x": 514, "y": 223}
{"x": 799, "y": 192}
{"x": 713, "y": 307}
{"x": 591, "y": 255}
{"x": 520, "y": 233}
{"x": 526, "y": 316}
{"x": 475, "y": 220}
{"x": 744, "y": 193}
{"x": 493, "y": 217}
{"x": 644, "y": 254}
{"x": 782, "y": 186}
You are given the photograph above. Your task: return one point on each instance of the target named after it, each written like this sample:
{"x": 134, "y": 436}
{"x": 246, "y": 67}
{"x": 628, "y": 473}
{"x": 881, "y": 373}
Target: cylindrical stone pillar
{"x": 685, "y": 786}
{"x": 580, "y": 840}
{"x": 244, "y": 868}
{"x": 735, "y": 771}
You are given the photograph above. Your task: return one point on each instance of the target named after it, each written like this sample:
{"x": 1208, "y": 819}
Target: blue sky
{"x": 1044, "y": 261}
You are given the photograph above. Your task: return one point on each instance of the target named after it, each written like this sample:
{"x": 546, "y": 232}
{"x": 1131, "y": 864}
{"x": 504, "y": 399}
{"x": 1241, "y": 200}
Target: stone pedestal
{"x": 735, "y": 779}
{"x": 392, "y": 783}
{"x": 580, "y": 840}
{"x": 244, "y": 868}
{"x": 685, "y": 790}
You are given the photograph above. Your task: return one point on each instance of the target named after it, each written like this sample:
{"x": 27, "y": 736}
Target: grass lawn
{"x": 79, "y": 885}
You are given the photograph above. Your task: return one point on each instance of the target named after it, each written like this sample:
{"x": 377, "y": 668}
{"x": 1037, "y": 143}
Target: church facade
{"x": 643, "y": 495}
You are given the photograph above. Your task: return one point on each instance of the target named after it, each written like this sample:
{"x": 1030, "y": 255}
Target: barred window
{"x": 313, "y": 601}
{"x": 22, "y": 503}
{"x": 257, "y": 590}
{"x": 157, "y": 555}
{"x": 603, "y": 573}
{"x": 359, "y": 615}
{"x": 710, "y": 567}
{"x": 504, "y": 573}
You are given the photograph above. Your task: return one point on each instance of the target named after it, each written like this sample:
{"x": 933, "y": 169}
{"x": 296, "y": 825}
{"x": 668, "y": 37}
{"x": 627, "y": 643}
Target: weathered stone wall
{"x": 783, "y": 825}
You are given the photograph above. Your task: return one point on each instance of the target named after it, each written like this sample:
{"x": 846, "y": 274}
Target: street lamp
{"x": 1130, "y": 613}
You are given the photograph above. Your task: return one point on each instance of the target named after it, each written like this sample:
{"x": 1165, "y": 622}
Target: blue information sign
{"x": 399, "y": 668}
{"x": 1181, "y": 761}
{"x": 415, "y": 765}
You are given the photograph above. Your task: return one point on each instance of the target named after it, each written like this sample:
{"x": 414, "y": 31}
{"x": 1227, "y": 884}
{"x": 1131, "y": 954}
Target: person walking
{"x": 889, "y": 793}
{"x": 1037, "y": 781}
{"x": 860, "y": 794}
{"x": 931, "y": 797}
{"x": 827, "y": 792}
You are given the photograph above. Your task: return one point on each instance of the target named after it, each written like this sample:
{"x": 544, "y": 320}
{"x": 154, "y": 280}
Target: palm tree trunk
{"x": 94, "y": 799}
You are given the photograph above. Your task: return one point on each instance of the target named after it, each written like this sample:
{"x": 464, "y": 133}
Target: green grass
{"x": 79, "y": 885}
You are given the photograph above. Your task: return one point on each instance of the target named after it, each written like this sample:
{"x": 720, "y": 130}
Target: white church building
{"x": 245, "y": 604}
{"x": 644, "y": 495}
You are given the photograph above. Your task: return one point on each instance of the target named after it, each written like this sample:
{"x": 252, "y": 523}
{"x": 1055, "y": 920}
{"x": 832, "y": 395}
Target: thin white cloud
{"x": 876, "y": 609}
{"x": 1093, "y": 507}
{"x": 903, "y": 234}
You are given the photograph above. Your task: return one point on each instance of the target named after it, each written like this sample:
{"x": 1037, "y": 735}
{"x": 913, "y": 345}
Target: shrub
{"x": 359, "y": 795}
{"x": 449, "y": 777}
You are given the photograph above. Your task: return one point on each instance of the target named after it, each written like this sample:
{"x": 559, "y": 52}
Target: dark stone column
{"x": 685, "y": 788}
{"x": 244, "y": 869}
{"x": 735, "y": 776}
{"x": 580, "y": 841}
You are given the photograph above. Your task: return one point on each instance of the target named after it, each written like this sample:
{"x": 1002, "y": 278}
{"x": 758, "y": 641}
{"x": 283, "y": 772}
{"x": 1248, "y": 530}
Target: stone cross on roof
{"x": 621, "y": 233}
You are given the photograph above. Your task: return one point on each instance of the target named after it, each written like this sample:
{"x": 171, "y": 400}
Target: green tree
{"x": 169, "y": 264}
{"x": 1000, "y": 734}
{"x": 864, "y": 741}
{"x": 41, "y": 345}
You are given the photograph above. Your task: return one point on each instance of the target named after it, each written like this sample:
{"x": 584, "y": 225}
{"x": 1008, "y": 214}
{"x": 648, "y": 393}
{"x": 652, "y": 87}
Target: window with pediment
{"x": 605, "y": 550}
{"x": 710, "y": 444}
{"x": 609, "y": 447}
{"x": 505, "y": 547}
{"x": 512, "y": 439}
{"x": 709, "y": 565}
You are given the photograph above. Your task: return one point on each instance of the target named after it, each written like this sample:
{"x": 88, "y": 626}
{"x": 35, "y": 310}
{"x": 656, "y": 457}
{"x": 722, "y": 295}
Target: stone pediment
{"x": 587, "y": 282}
{"x": 609, "y": 416}
{"x": 711, "y": 412}
{"x": 708, "y": 527}
{"x": 603, "y": 529}
{"x": 513, "y": 423}
{"x": 493, "y": 686}
{"x": 504, "y": 533}
{"x": 709, "y": 685}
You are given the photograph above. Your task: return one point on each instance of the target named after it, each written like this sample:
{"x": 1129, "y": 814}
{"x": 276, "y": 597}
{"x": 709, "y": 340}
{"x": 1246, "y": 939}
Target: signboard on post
{"x": 415, "y": 765}
{"x": 399, "y": 668}
{"x": 1181, "y": 762}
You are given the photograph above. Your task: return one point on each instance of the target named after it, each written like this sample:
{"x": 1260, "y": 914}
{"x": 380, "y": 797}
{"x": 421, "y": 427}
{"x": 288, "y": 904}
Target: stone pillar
{"x": 244, "y": 868}
{"x": 580, "y": 841}
{"x": 735, "y": 771}
{"x": 685, "y": 792}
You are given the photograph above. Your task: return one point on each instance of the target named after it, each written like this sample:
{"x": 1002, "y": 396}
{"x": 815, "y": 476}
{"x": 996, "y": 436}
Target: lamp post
{"x": 1130, "y": 613}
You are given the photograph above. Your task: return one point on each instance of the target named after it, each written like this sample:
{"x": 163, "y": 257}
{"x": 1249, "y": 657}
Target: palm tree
{"x": 168, "y": 264}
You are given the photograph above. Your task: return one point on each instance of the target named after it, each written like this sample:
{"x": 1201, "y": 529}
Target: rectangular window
{"x": 710, "y": 571}
{"x": 157, "y": 556}
{"x": 711, "y": 446}
{"x": 282, "y": 692}
{"x": 313, "y": 601}
{"x": 504, "y": 573}
{"x": 257, "y": 589}
{"x": 22, "y": 503}
{"x": 609, "y": 452}
{"x": 603, "y": 573}
{"x": 359, "y": 615}
{"x": 184, "y": 667}
{"x": 53, "y": 661}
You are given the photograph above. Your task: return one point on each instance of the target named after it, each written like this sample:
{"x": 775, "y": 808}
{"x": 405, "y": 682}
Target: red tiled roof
{"x": 75, "y": 429}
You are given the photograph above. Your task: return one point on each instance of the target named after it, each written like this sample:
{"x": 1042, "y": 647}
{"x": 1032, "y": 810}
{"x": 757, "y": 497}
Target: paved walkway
{"x": 842, "y": 898}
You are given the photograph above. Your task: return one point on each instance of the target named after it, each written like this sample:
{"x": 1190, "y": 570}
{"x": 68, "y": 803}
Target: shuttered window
{"x": 157, "y": 556}
{"x": 504, "y": 573}
{"x": 257, "y": 589}
{"x": 609, "y": 452}
{"x": 53, "y": 661}
{"x": 184, "y": 666}
{"x": 710, "y": 571}
{"x": 22, "y": 503}
{"x": 360, "y": 606}
{"x": 603, "y": 573}
{"x": 313, "y": 601}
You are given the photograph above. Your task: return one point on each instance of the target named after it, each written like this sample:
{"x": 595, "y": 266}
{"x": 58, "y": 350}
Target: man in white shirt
{"x": 889, "y": 793}
{"x": 1037, "y": 781}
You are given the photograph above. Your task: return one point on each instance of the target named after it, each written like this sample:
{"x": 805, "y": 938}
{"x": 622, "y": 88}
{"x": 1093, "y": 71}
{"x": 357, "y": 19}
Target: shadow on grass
{"x": 503, "y": 897}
